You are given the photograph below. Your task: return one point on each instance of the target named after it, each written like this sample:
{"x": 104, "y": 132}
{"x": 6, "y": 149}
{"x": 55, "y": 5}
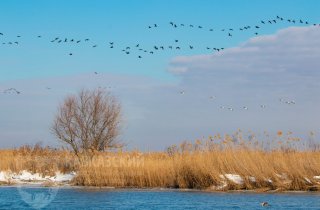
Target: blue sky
{"x": 125, "y": 23}
{"x": 149, "y": 87}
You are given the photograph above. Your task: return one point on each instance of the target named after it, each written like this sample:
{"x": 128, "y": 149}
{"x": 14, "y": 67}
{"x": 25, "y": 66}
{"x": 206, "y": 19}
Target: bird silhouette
{"x": 11, "y": 90}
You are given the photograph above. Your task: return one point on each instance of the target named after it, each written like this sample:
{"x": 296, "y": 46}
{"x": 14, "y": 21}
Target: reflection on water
{"x": 93, "y": 198}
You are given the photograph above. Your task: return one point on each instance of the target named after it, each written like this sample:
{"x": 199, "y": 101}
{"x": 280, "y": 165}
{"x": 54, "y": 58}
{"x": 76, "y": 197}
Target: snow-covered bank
{"x": 25, "y": 177}
{"x": 238, "y": 180}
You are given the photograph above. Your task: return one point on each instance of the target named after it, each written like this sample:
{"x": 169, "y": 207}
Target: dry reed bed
{"x": 199, "y": 165}
{"x": 37, "y": 160}
{"x": 290, "y": 170}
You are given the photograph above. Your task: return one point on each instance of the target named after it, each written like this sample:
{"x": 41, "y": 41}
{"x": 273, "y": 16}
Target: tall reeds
{"x": 279, "y": 163}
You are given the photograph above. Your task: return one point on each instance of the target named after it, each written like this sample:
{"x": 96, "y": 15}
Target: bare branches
{"x": 88, "y": 122}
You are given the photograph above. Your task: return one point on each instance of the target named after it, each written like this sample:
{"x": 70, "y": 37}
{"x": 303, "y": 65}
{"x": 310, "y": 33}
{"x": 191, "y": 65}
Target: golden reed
{"x": 282, "y": 163}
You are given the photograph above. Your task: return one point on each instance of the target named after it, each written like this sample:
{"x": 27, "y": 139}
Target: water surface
{"x": 83, "y": 198}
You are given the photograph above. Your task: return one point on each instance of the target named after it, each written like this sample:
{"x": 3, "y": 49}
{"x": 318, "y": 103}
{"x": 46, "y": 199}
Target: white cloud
{"x": 286, "y": 51}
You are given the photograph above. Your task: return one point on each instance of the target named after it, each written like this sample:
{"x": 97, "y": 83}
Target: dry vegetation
{"x": 274, "y": 164}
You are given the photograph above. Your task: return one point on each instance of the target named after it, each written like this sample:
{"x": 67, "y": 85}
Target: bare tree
{"x": 88, "y": 121}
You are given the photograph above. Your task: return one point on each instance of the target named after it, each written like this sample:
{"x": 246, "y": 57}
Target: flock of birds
{"x": 262, "y": 106}
{"x": 175, "y": 45}
{"x": 182, "y": 92}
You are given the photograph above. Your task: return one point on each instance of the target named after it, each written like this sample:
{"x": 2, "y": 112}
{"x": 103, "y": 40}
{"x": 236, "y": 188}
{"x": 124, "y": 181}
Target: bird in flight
{"x": 11, "y": 90}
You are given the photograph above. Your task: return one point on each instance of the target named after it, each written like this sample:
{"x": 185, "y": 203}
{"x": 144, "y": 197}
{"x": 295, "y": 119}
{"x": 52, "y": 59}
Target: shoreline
{"x": 160, "y": 189}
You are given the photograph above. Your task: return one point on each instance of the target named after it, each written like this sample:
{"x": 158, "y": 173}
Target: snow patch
{"x": 234, "y": 178}
{"x": 59, "y": 177}
{"x": 26, "y": 177}
{"x": 252, "y": 179}
{"x": 269, "y": 180}
{"x": 316, "y": 177}
{"x": 308, "y": 180}
{"x": 4, "y": 176}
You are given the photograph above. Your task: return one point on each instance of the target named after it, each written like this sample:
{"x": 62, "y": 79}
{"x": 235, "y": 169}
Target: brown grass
{"x": 198, "y": 165}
